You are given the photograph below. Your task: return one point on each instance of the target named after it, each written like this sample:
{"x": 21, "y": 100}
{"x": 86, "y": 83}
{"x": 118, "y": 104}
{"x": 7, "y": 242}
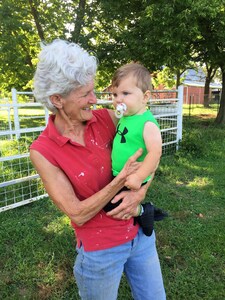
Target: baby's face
{"x": 128, "y": 93}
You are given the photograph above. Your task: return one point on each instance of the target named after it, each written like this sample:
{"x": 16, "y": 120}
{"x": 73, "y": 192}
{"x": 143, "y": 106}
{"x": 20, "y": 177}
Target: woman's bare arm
{"x": 62, "y": 194}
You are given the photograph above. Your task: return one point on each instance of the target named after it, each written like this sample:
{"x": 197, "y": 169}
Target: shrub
{"x": 192, "y": 143}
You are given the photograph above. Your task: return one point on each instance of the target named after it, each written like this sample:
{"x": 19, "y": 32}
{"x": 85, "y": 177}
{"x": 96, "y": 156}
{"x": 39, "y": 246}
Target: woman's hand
{"x": 130, "y": 202}
{"x": 131, "y": 165}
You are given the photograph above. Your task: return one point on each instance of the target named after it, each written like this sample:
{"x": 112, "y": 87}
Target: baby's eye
{"x": 114, "y": 95}
{"x": 125, "y": 93}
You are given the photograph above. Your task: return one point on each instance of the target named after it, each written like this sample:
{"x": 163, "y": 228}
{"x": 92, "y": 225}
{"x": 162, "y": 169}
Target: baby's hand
{"x": 133, "y": 182}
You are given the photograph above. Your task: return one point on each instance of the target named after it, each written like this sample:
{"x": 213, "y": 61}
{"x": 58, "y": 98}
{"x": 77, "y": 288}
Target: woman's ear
{"x": 56, "y": 101}
{"x": 147, "y": 96}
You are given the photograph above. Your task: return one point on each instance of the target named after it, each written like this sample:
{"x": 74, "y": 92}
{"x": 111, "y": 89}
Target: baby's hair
{"x": 138, "y": 71}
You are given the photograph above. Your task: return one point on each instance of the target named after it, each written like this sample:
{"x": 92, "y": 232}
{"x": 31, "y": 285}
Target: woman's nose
{"x": 93, "y": 98}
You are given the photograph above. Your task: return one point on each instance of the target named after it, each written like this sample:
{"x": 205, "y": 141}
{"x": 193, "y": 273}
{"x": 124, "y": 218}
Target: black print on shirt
{"x": 125, "y": 131}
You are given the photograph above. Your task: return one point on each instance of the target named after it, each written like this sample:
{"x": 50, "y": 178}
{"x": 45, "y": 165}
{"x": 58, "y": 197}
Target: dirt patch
{"x": 44, "y": 292}
{"x": 207, "y": 116}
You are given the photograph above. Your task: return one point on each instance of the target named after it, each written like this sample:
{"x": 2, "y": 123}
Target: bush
{"x": 192, "y": 143}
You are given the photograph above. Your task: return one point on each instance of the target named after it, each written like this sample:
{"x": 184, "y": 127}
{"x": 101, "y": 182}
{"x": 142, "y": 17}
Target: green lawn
{"x": 37, "y": 243}
{"x": 33, "y": 115}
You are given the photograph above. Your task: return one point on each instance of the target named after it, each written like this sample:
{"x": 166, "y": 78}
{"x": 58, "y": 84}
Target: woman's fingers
{"x": 131, "y": 164}
{"x": 135, "y": 156}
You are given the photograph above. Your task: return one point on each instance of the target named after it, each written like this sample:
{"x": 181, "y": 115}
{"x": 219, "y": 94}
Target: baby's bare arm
{"x": 153, "y": 142}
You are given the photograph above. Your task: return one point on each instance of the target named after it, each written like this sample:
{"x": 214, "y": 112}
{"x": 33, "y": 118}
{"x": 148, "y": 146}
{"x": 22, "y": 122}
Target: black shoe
{"x": 150, "y": 214}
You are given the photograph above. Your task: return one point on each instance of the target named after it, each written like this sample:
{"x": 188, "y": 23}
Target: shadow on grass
{"x": 37, "y": 243}
{"x": 37, "y": 254}
{"x": 191, "y": 243}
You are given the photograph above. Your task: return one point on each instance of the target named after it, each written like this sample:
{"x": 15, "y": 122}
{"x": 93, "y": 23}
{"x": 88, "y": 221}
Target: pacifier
{"x": 120, "y": 109}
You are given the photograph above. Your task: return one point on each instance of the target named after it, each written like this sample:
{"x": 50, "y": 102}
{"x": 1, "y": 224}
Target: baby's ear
{"x": 56, "y": 101}
{"x": 147, "y": 96}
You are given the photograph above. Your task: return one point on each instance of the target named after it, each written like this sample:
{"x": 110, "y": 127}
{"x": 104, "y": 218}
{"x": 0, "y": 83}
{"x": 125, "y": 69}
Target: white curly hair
{"x": 62, "y": 67}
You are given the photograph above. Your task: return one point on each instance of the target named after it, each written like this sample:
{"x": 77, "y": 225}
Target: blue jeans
{"x": 98, "y": 273}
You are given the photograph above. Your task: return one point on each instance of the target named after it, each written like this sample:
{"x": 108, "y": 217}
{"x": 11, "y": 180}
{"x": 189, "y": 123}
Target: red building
{"x": 194, "y": 92}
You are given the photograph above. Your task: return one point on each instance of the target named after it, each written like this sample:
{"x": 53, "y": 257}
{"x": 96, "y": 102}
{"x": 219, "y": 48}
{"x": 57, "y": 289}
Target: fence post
{"x": 180, "y": 113}
{"x": 15, "y": 112}
{"x": 9, "y": 120}
{"x": 46, "y": 115}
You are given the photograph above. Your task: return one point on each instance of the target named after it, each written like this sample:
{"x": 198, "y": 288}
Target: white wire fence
{"x": 22, "y": 120}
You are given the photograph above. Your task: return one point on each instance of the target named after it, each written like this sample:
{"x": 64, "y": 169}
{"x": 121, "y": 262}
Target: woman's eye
{"x": 85, "y": 95}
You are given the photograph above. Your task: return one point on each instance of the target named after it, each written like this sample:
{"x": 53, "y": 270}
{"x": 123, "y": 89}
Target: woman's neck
{"x": 73, "y": 129}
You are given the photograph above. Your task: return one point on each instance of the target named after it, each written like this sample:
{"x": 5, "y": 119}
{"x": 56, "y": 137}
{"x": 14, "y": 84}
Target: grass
{"x": 190, "y": 186}
{"x": 33, "y": 115}
{"x": 37, "y": 244}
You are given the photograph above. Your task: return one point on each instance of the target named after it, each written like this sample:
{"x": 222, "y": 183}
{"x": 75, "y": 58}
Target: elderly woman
{"x": 73, "y": 158}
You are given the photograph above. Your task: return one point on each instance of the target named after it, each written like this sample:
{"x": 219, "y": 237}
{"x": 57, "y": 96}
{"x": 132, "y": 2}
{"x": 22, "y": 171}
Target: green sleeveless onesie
{"x": 129, "y": 138}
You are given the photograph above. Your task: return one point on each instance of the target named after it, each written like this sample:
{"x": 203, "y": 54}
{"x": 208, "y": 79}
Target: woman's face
{"x": 77, "y": 105}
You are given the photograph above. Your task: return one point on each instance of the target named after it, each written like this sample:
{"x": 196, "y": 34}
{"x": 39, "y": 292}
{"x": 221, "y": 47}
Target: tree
{"x": 220, "y": 119}
{"x": 165, "y": 77}
{"x": 35, "y": 14}
{"x": 115, "y": 22}
{"x": 209, "y": 77}
{"x": 79, "y": 23}
{"x": 23, "y": 25}
{"x": 155, "y": 34}
{"x": 176, "y": 32}
{"x": 209, "y": 45}
{"x": 16, "y": 44}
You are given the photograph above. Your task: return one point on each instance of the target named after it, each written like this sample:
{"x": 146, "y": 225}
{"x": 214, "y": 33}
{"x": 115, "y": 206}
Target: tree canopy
{"x": 158, "y": 33}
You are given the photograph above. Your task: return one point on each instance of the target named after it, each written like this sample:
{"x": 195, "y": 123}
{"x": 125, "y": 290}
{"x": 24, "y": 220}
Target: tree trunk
{"x": 220, "y": 119}
{"x": 34, "y": 13}
{"x": 206, "y": 91}
{"x": 178, "y": 79}
{"x": 79, "y": 21}
{"x": 210, "y": 74}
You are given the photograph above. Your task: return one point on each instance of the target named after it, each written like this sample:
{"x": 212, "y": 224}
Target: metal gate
{"x": 22, "y": 120}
